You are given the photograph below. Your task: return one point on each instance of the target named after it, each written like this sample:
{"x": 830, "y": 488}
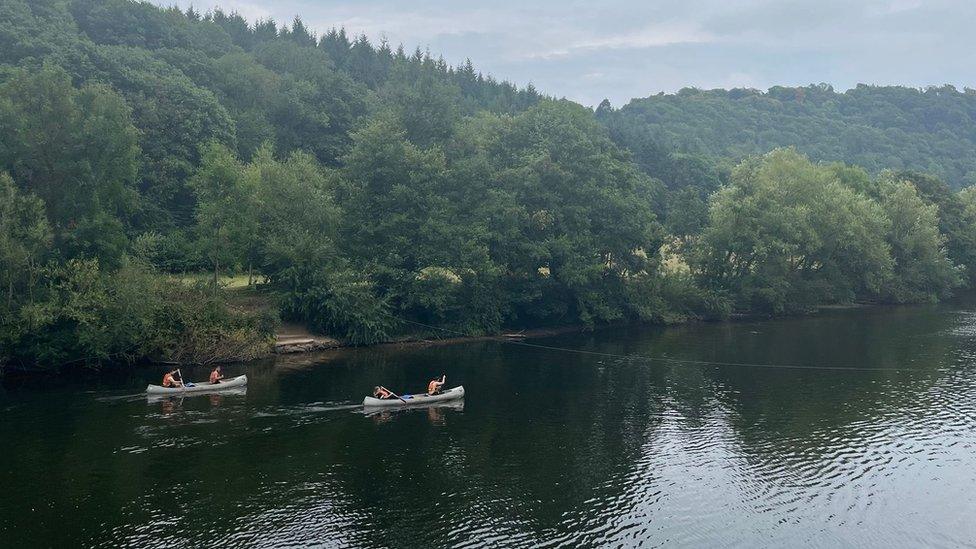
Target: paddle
{"x": 398, "y": 396}
{"x": 183, "y": 380}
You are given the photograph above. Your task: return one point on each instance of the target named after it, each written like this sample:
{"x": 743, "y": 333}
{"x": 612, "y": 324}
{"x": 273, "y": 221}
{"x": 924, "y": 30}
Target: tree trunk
{"x": 216, "y": 276}
{"x": 250, "y": 273}
{"x": 30, "y": 281}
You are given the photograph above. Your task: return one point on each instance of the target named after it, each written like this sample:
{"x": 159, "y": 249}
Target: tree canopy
{"x": 371, "y": 191}
{"x": 928, "y": 130}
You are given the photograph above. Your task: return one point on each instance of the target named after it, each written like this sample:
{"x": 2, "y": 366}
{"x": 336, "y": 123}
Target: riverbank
{"x": 326, "y": 349}
{"x": 298, "y": 341}
{"x": 306, "y": 341}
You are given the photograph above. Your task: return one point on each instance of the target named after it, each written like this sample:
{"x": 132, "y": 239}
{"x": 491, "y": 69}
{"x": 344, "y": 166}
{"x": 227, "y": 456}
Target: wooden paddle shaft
{"x": 396, "y": 395}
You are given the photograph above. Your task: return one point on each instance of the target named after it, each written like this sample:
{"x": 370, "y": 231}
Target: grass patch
{"x": 229, "y": 282}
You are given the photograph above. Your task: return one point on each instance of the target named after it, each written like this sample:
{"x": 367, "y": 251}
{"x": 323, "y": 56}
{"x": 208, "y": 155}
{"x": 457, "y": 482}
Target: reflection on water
{"x": 215, "y": 397}
{"x": 436, "y": 411}
{"x": 548, "y": 448}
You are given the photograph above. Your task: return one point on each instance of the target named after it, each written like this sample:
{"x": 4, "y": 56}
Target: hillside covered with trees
{"x": 931, "y": 130}
{"x": 366, "y": 187}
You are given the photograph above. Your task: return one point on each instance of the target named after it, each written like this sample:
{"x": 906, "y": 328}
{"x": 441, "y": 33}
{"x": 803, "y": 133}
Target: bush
{"x": 672, "y": 298}
{"x": 193, "y": 327}
{"x": 338, "y": 302}
{"x": 81, "y": 315}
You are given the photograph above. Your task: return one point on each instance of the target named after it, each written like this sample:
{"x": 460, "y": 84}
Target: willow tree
{"x": 922, "y": 268}
{"x": 786, "y": 235}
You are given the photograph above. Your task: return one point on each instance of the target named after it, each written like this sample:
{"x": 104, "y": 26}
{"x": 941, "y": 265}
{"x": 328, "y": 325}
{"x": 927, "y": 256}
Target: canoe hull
{"x": 415, "y": 400}
{"x": 205, "y": 387}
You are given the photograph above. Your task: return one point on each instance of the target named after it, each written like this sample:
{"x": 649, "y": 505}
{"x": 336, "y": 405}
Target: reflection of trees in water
{"x": 772, "y": 406}
{"x": 86, "y": 469}
{"x": 543, "y": 438}
{"x": 911, "y": 347}
{"x": 809, "y": 433}
{"x": 548, "y": 443}
{"x": 548, "y": 437}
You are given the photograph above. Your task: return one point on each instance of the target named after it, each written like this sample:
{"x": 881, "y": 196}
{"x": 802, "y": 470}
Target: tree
{"x": 786, "y": 235}
{"x": 316, "y": 106}
{"x": 222, "y": 208}
{"x": 396, "y": 220}
{"x": 876, "y": 127}
{"x": 298, "y": 251}
{"x": 959, "y": 232}
{"x": 25, "y": 238}
{"x": 174, "y": 116}
{"x": 965, "y": 239}
{"x": 572, "y": 215}
{"x": 251, "y": 93}
{"x": 922, "y": 269}
{"x": 75, "y": 148}
{"x": 425, "y": 103}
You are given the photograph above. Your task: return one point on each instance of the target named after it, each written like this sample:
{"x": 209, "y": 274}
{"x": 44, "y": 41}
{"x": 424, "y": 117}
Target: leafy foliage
{"x": 81, "y": 315}
{"x": 788, "y": 234}
{"x": 878, "y": 127}
{"x": 368, "y": 186}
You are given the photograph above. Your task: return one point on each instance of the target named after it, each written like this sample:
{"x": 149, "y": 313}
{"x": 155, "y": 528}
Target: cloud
{"x": 649, "y": 37}
{"x": 896, "y": 6}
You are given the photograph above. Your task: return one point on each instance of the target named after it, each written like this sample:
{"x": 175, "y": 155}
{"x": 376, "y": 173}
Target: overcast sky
{"x": 588, "y": 50}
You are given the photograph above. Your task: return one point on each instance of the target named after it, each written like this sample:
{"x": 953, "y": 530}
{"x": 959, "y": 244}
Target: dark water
{"x": 875, "y": 446}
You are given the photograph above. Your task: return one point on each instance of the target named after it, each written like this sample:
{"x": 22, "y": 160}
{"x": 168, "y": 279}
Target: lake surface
{"x": 851, "y": 428}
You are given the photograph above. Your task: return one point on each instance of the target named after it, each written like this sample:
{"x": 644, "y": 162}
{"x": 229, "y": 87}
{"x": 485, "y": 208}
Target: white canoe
{"x": 205, "y": 387}
{"x": 411, "y": 400}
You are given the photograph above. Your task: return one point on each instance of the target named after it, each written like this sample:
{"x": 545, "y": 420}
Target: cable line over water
{"x": 660, "y": 358}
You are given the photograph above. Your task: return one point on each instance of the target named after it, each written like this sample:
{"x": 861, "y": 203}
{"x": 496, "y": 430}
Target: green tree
{"x": 965, "y": 238}
{"x": 425, "y": 103}
{"x": 787, "y": 235}
{"x": 25, "y": 239}
{"x": 222, "y": 208}
{"x": 572, "y": 215}
{"x": 959, "y": 232}
{"x": 76, "y": 150}
{"x": 876, "y": 127}
{"x": 419, "y": 226}
{"x": 392, "y": 193}
{"x": 922, "y": 269}
{"x": 251, "y": 92}
{"x": 316, "y": 106}
{"x": 298, "y": 249}
{"x": 174, "y": 116}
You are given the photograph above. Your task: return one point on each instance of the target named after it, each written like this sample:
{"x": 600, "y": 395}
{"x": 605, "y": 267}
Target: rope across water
{"x": 665, "y": 359}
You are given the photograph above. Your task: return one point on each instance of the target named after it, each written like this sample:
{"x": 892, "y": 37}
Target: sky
{"x": 618, "y": 49}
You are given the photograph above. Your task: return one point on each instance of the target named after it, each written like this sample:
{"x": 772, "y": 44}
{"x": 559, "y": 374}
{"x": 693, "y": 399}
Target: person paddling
{"x": 170, "y": 381}
{"x": 216, "y": 375}
{"x": 382, "y": 392}
{"x": 434, "y": 386}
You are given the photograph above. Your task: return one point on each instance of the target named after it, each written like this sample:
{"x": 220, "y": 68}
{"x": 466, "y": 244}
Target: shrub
{"x": 80, "y": 315}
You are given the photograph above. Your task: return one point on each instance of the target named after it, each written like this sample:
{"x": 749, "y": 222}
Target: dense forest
{"x": 931, "y": 130}
{"x": 362, "y": 187}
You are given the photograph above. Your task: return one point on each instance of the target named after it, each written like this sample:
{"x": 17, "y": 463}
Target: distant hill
{"x": 932, "y": 130}
{"x": 190, "y": 77}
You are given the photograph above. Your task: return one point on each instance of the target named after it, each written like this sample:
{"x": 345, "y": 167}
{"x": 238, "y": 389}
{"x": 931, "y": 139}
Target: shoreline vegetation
{"x": 176, "y": 185}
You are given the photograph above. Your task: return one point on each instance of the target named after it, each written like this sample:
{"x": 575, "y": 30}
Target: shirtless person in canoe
{"x": 216, "y": 375}
{"x": 434, "y": 387}
{"x": 169, "y": 379}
